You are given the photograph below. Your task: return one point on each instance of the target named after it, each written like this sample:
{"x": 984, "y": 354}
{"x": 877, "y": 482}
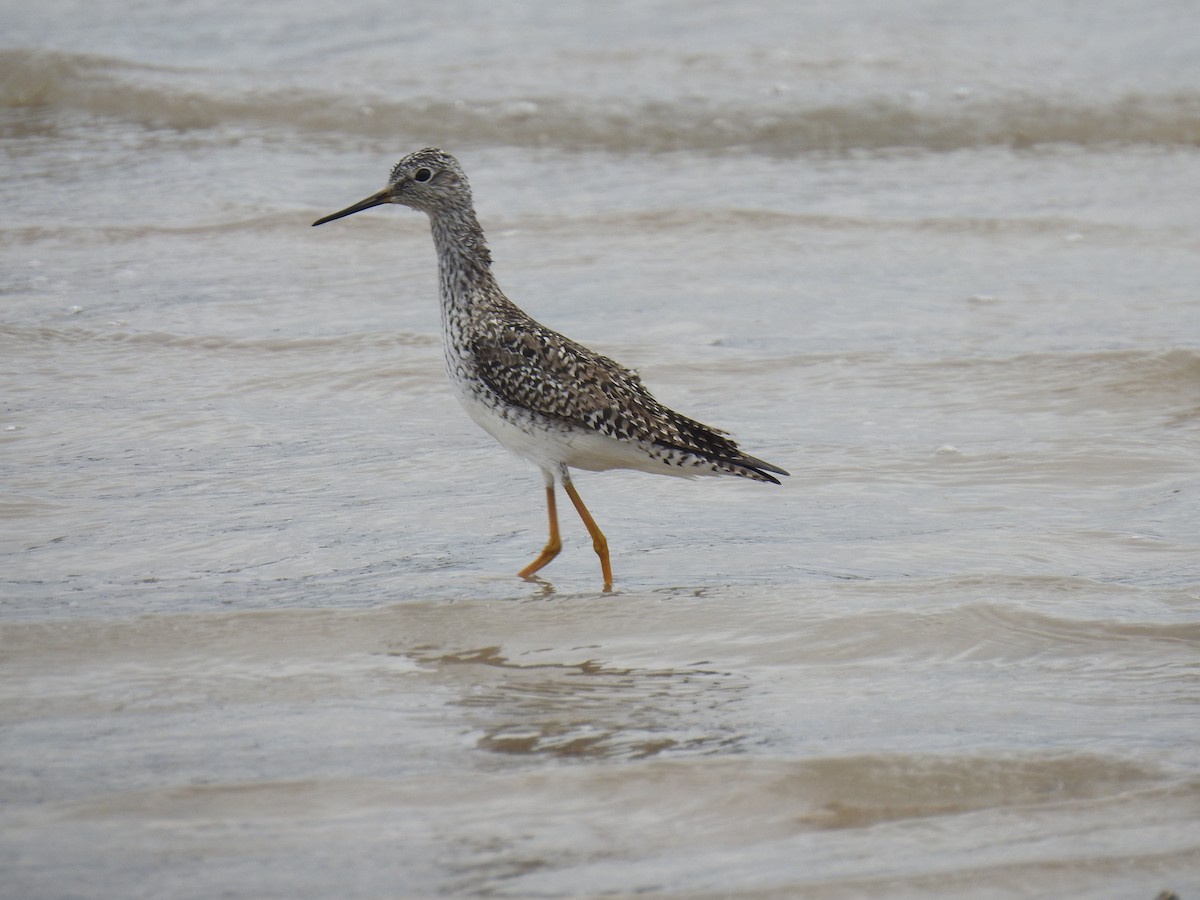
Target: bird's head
{"x": 429, "y": 180}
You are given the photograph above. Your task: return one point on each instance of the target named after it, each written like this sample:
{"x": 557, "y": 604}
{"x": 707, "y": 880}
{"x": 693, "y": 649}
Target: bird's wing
{"x": 535, "y": 368}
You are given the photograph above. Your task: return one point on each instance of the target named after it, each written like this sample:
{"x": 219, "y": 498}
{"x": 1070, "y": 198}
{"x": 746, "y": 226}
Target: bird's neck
{"x": 468, "y": 290}
{"x": 464, "y": 263}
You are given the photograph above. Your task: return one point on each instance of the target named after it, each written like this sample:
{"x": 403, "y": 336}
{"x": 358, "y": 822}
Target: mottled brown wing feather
{"x": 540, "y": 370}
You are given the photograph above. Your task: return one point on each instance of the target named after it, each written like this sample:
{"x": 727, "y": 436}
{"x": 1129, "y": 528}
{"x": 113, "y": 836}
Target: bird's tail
{"x": 752, "y": 467}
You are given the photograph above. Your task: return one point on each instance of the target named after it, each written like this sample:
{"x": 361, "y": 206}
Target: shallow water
{"x": 260, "y": 634}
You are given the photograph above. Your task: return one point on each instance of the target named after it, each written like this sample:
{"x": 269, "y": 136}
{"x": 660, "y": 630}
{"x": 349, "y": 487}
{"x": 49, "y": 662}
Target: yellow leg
{"x": 554, "y": 545}
{"x": 599, "y": 542}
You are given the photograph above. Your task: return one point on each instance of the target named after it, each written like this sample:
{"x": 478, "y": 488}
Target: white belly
{"x": 549, "y": 444}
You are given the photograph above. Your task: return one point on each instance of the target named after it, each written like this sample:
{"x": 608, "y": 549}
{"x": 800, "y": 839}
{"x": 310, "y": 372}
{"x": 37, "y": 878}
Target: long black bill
{"x": 374, "y": 200}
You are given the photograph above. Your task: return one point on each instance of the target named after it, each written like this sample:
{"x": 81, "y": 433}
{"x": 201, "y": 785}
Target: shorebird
{"x": 541, "y": 395}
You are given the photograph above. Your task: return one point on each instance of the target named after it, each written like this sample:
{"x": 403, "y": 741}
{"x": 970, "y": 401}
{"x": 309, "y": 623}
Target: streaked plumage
{"x": 540, "y": 394}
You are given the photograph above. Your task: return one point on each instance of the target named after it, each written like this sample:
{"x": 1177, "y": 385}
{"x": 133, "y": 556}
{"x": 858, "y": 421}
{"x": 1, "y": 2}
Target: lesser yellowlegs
{"x": 544, "y": 397}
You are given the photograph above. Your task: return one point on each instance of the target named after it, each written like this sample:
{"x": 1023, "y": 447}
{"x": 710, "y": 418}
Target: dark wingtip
{"x": 763, "y": 468}
{"x": 767, "y": 476}
{"x": 750, "y": 467}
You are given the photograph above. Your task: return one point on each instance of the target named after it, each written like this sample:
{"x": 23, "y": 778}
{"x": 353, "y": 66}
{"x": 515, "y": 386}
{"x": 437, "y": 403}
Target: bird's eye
{"x": 422, "y": 174}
